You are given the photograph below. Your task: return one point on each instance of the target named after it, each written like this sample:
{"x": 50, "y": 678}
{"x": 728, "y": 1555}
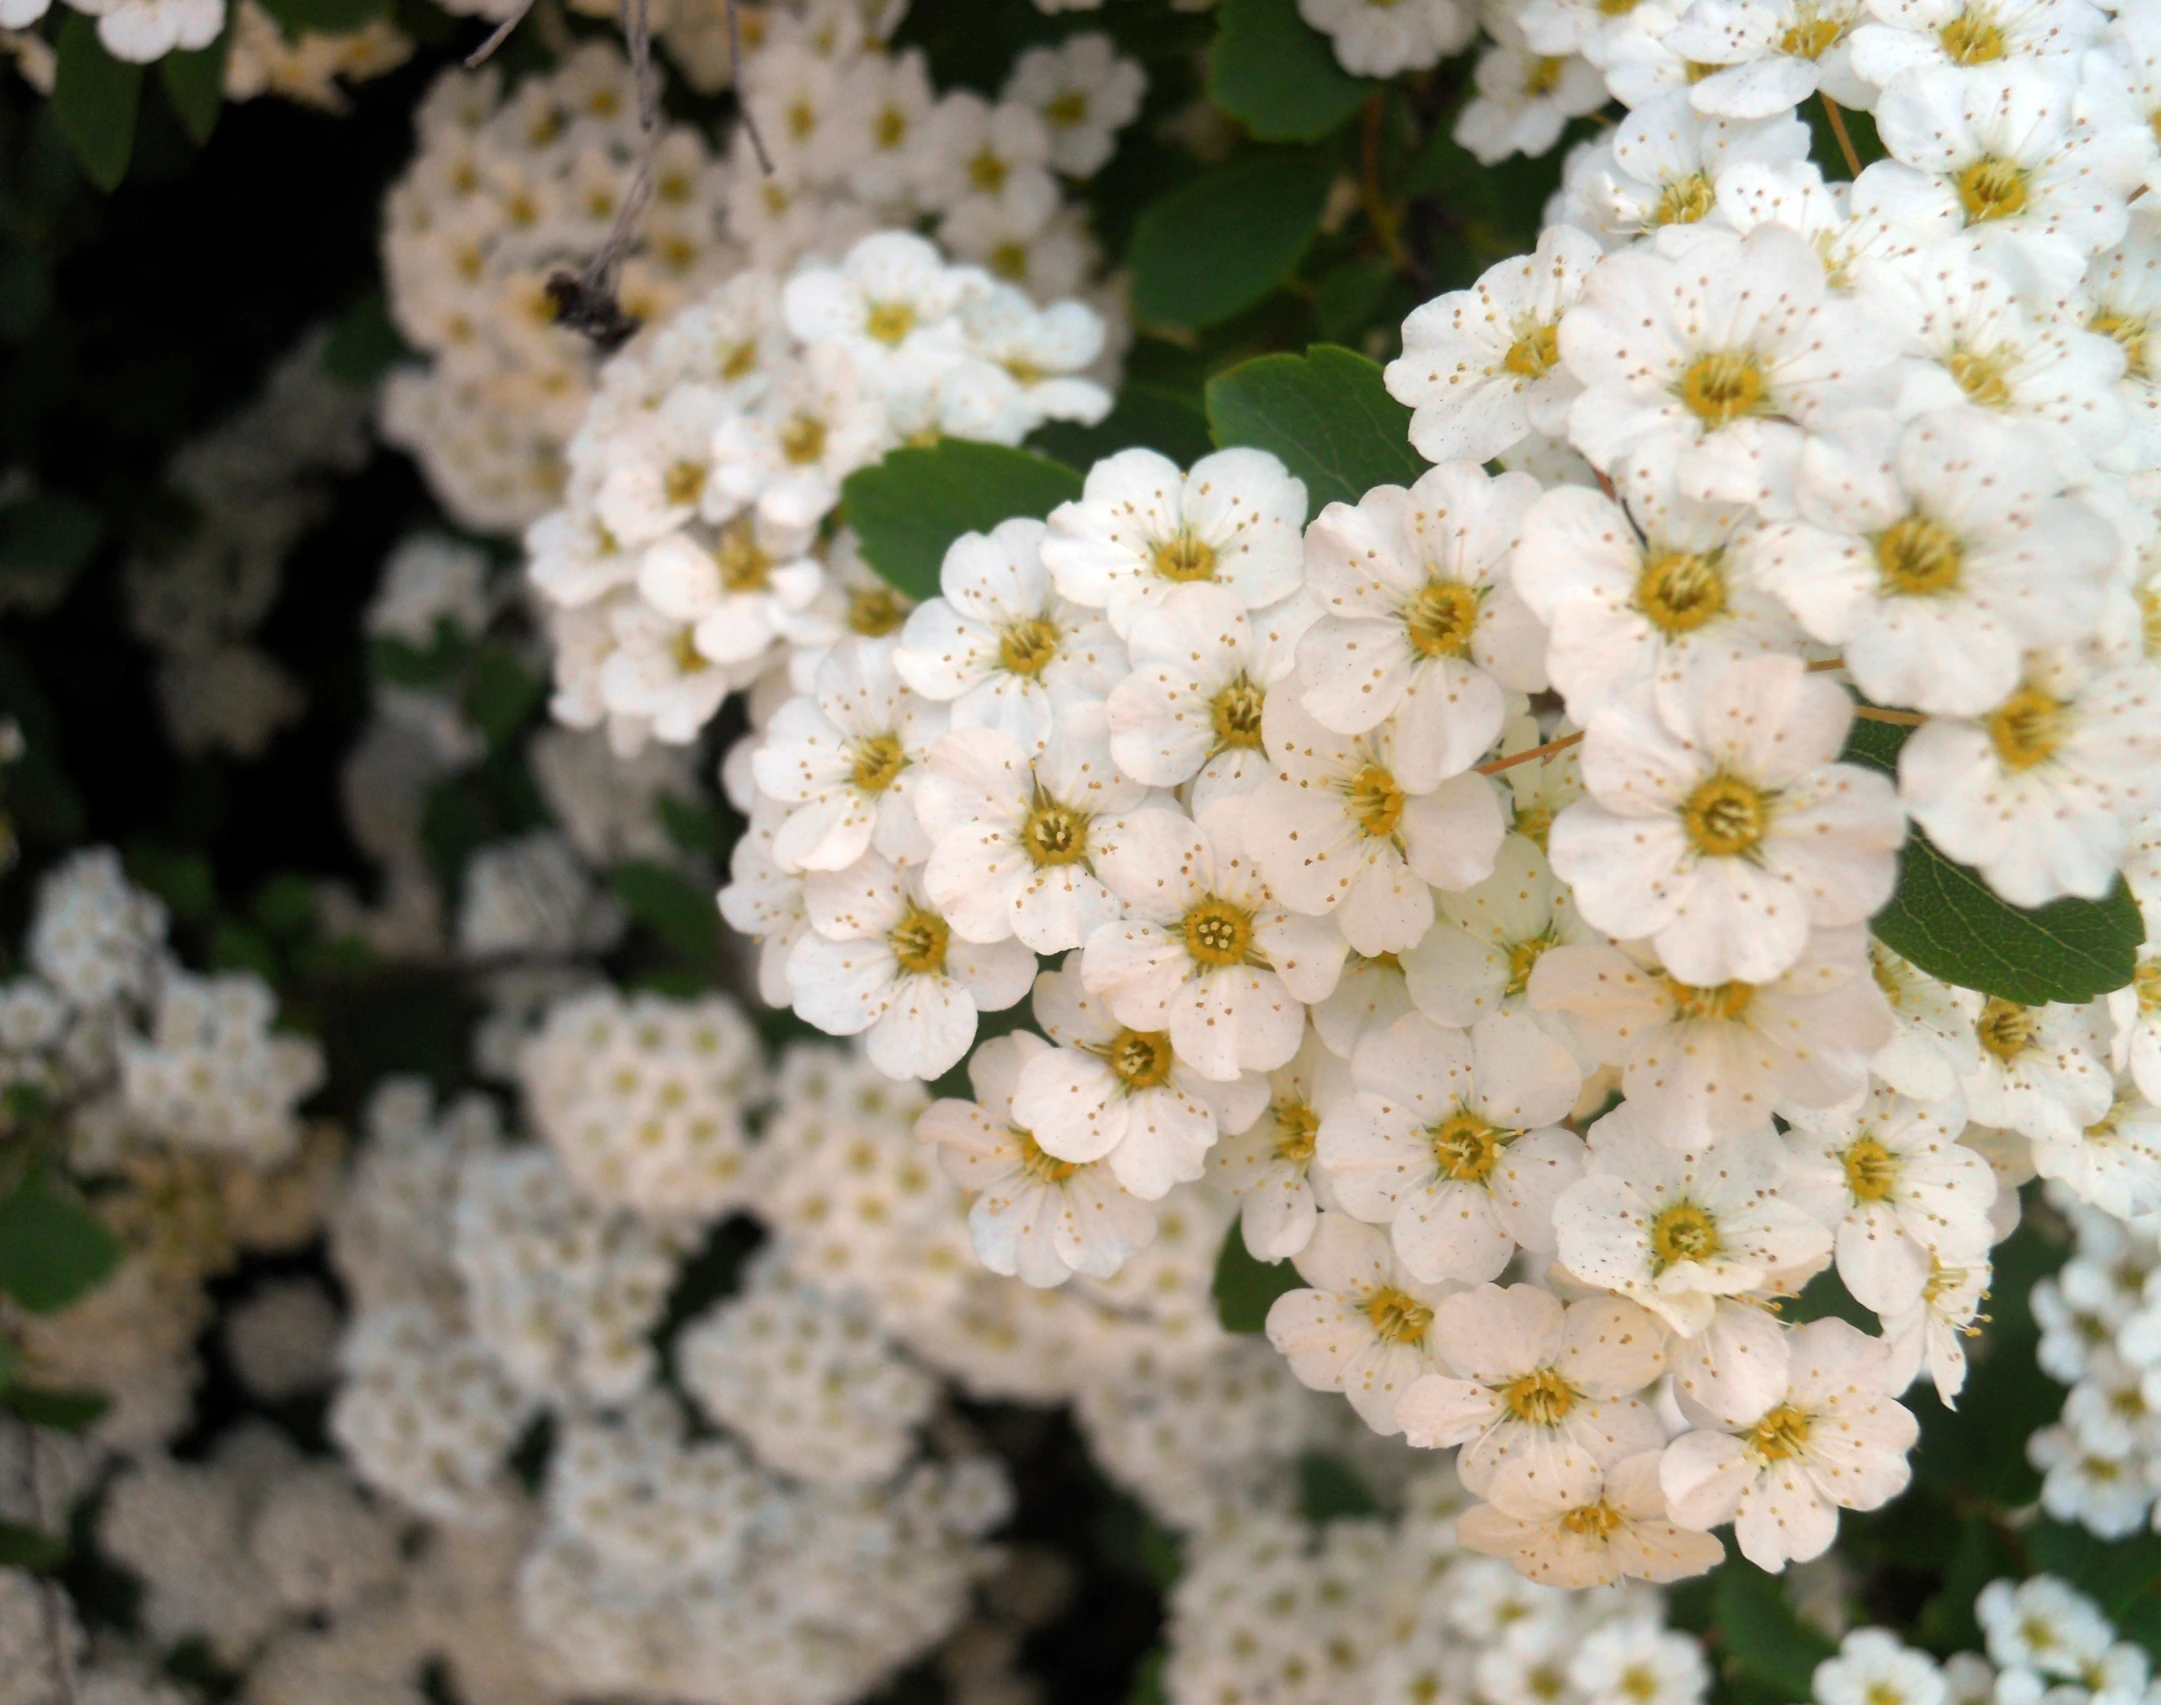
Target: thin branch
{"x": 486, "y": 50}
{"x": 1838, "y": 129}
{"x": 1545, "y": 751}
{"x": 1904, "y": 718}
{"x": 588, "y": 303}
{"x": 1369, "y": 192}
{"x": 735, "y": 75}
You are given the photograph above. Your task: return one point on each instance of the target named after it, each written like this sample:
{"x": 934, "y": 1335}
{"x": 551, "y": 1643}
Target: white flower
{"x": 1935, "y": 554}
{"x": 873, "y": 136}
{"x": 736, "y": 592}
{"x": 2042, "y": 1624}
{"x": 764, "y": 901}
{"x": 1112, "y": 1092}
{"x": 1535, "y": 1390}
{"x": 1875, "y": 1667}
{"x": 1663, "y": 165}
{"x": 2135, "y": 1010}
{"x": 1525, "y": 99}
{"x": 1381, "y": 38}
{"x": 1705, "y": 1063}
{"x": 1140, "y": 527}
{"x": 1769, "y": 55}
{"x": 1600, "y": 1526}
{"x": 1666, "y": 592}
{"x": 1636, "y": 1661}
{"x": 1704, "y": 360}
{"x": 1192, "y": 707}
{"x": 1676, "y": 1229}
{"x": 1834, "y": 1440}
{"x": 1370, "y": 995}
{"x": 848, "y": 760}
{"x": 1000, "y": 646}
{"x": 1914, "y": 35}
{"x": 1085, "y": 93}
{"x": 2040, "y": 191}
{"x": 1034, "y": 1216}
{"x": 2037, "y": 791}
{"x": 1932, "y": 1333}
{"x": 1452, "y": 1142}
{"x": 884, "y": 960}
{"x": 1022, "y": 367}
{"x": 1341, "y": 830}
{"x": 891, "y": 306}
{"x": 2114, "y": 1164}
{"x": 979, "y": 156}
{"x": 789, "y": 453}
{"x": 2103, "y": 1490}
{"x": 1269, "y": 1165}
{"x": 1726, "y": 831}
{"x": 1364, "y": 1328}
{"x": 1015, "y": 836}
{"x": 1418, "y": 621}
{"x": 139, "y": 31}
{"x": 1206, "y": 951}
{"x": 1933, "y": 1047}
{"x": 1481, "y": 368}
{"x": 1892, "y": 1177}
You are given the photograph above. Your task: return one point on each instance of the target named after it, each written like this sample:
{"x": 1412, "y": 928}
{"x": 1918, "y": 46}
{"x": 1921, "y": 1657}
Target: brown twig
{"x": 1838, "y": 129}
{"x": 501, "y": 33}
{"x": 588, "y": 303}
{"x": 1369, "y": 192}
{"x": 735, "y": 75}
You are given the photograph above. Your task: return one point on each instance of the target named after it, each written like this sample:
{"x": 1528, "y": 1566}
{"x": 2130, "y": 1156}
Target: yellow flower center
{"x": 891, "y": 130}
{"x": 1466, "y": 1148}
{"x": 1918, "y": 557}
{"x": 1683, "y": 1232}
{"x": 2027, "y": 728}
{"x": 1140, "y": 1059}
{"x": 1685, "y": 200}
{"x": 1442, "y": 618}
{"x": 1680, "y": 591}
{"x": 1217, "y": 932}
{"x": 1523, "y": 957}
{"x": 743, "y": 566}
{"x": 1398, "y": 1318}
{"x": 1236, "y": 715}
{"x": 1374, "y": 801}
{"x": 1812, "y": 37}
{"x": 873, "y": 611}
{"x": 1069, "y": 108}
{"x": 1725, "y": 817}
{"x": 1871, "y": 1170}
{"x": 1986, "y": 379}
{"x": 1596, "y": 1521}
{"x": 1534, "y": 823}
{"x": 1027, "y": 647}
{"x": 1540, "y": 1398}
{"x": 1971, "y": 39}
{"x": 1010, "y": 261}
{"x": 1055, "y": 834}
{"x": 878, "y": 762}
{"x": 802, "y": 440}
{"x": 919, "y": 942}
{"x": 1298, "y": 1130}
{"x": 2006, "y": 1029}
{"x": 987, "y": 172}
{"x": 1723, "y": 386}
{"x": 802, "y": 119}
{"x": 1535, "y": 354}
{"x": 2129, "y": 332}
{"x": 1720, "y": 1002}
{"x": 1992, "y": 188}
{"x": 1781, "y": 1435}
{"x": 2147, "y": 981}
{"x": 738, "y": 359}
{"x": 889, "y": 322}
{"x": 1182, "y": 557}
{"x": 1039, "y": 1167}
{"x": 683, "y": 482}
{"x": 1543, "y": 77}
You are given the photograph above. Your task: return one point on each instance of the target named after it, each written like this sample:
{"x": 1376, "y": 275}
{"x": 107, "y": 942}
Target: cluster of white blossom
{"x": 1364, "y": 1611}
{"x": 2044, "y": 1638}
{"x": 1355, "y": 865}
{"x": 253, "y": 486}
{"x": 505, "y": 191}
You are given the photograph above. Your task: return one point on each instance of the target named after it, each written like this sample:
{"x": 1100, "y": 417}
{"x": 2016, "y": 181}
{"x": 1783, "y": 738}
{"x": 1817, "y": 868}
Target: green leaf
{"x": 1226, "y": 239}
{"x": 325, "y": 17}
{"x": 1348, "y": 297}
{"x": 95, "y": 97}
{"x": 1950, "y": 923}
{"x": 501, "y": 692}
{"x": 693, "y": 826}
{"x": 1272, "y": 70}
{"x": 29, "y": 1548}
{"x": 1946, "y": 1623}
{"x": 63, "y": 1411}
{"x": 195, "y": 85}
{"x": 1245, "y": 1288}
{"x": 286, "y": 905}
{"x": 52, "y": 1250}
{"x": 1145, "y": 416}
{"x": 666, "y": 902}
{"x": 910, "y": 507}
{"x": 1330, "y": 1488}
{"x": 364, "y": 343}
{"x": 44, "y": 542}
{"x": 1761, "y": 1638}
{"x": 1147, "y": 1686}
{"x": 183, "y": 880}
{"x": 1326, "y": 413}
